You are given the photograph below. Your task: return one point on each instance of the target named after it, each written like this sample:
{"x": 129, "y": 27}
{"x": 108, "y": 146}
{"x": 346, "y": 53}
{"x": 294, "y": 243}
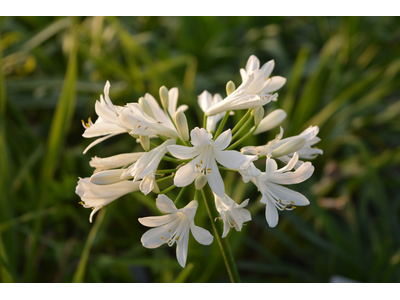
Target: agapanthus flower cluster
{"x": 198, "y": 157}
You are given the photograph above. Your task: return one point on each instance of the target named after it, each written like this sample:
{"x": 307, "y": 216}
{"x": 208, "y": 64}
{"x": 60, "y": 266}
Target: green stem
{"x": 179, "y": 195}
{"x": 237, "y": 134}
{"x": 167, "y": 189}
{"x": 165, "y": 178}
{"x": 162, "y": 137}
{"x": 242, "y": 120}
{"x": 226, "y": 169}
{"x": 166, "y": 171}
{"x": 167, "y": 158}
{"x": 242, "y": 139}
{"x": 205, "y": 122}
{"x": 221, "y": 125}
{"x": 224, "y": 246}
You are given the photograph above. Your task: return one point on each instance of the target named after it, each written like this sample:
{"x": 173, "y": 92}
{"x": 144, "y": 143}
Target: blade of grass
{"x": 79, "y": 274}
{"x": 58, "y": 130}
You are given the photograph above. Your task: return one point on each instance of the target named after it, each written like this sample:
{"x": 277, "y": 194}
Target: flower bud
{"x": 145, "y": 142}
{"x": 230, "y": 87}
{"x": 258, "y": 115}
{"x": 271, "y": 120}
{"x": 181, "y": 125}
{"x": 146, "y": 107}
{"x": 290, "y": 146}
{"x": 164, "y": 97}
{"x": 200, "y": 181}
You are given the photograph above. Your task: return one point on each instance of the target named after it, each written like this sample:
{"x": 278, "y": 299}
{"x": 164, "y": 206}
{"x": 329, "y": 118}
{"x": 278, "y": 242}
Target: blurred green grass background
{"x": 343, "y": 75}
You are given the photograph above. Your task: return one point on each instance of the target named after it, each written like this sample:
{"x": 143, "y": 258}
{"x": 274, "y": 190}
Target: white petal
{"x": 157, "y": 221}
{"x": 182, "y": 248}
{"x": 152, "y": 238}
{"x": 215, "y": 180}
{"x": 288, "y": 194}
{"x": 223, "y": 140}
{"x": 267, "y": 68}
{"x": 204, "y": 101}
{"x": 147, "y": 184}
{"x": 183, "y": 152}
{"x": 199, "y": 137}
{"x": 253, "y": 63}
{"x": 165, "y": 205}
{"x": 186, "y": 174}
{"x": 173, "y": 100}
{"x": 230, "y": 158}
{"x": 270, "y": 167}
{"x": 99, "y": 129}
{"x": 276, "y": 83}
{"x": 271, "y": 214}
{"x": 107, "y": 177}
{"x": 182, "y": 108}
{"x": 290, "y": 165}
{"x": 243, "y": 74}
{"x": 201, "y": 235}
{"x": 301, "y": 174}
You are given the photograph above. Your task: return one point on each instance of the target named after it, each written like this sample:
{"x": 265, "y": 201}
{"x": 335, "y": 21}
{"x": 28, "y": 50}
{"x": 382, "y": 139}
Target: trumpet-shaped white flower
{"x": 277, "y": 197}
{"x": 115, "y": 161}
{"x": 174, "y": 227}
{"x": 233, "y": 214}
{"x": 97, "y": 196}
{"x": 264, "y": 149}
{"x": 105, "y": 123}
{"x": 159, "y": 114}
{"x": 255, "y": 89}
{"x": 146, "y": 167}
{"x": 305, "y": 152}
{"x": 206, "y": 100}
{"x": 205, "y": 151}
{"x": 132, "y": 118}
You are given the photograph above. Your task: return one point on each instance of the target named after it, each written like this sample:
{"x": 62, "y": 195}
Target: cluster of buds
{"x": 198, "y": 158}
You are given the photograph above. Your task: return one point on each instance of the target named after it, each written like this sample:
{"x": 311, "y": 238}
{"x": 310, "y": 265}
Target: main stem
{"x": 224, "y": 246}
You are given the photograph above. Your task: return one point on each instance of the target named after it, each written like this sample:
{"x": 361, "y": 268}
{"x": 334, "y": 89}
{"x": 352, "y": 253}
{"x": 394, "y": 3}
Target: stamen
{"x": 80, "y": 202}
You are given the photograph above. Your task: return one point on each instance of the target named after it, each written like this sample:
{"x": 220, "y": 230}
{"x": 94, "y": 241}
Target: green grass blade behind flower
{"x": 5, "y": 209}
{"x": 79, "y": 274}
{"x": 184, "y": 274}
{"x": 58, "y": 131}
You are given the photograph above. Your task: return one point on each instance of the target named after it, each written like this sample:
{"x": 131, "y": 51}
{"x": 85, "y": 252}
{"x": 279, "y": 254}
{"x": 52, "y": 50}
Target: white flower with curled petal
{"x": 255, "y": 89}
{"x": 277, "y": 197}
{"x": 306, "y": 152}
{"x": 206, "y": 100}
{"x": 174, "y": 227}
{"x": 105, "y": 123}
{"x": 146, "y": 167}
{"x": 97, "y": 196}
{"x": 137, "y": 122}
{"x": 233, "y": 214}
{"x": 204, "y": 153}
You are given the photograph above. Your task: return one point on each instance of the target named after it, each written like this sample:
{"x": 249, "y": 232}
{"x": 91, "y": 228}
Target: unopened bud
{"x": 290, "y": 146}
{"x": 145, "y": 142}
{"x": 200, "y": 181}
{"x": 181, "y": 125}
{"x": 230, "y": 87}
{"x": 271, "y": 120}
{"x": 164, "y": 97}
{"x": 144, "y": 104}
{"x": 258, "y": 115}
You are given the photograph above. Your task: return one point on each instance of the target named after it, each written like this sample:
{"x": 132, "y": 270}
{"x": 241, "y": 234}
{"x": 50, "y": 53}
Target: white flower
{"x": 174, "y": 227}
{"x": 146, "y": 166}
{"x": 105, "y": 123}
{"x": 248, "y": 170}
{"x": 206, "y": 100}
{"x": 132, "y": 118}
{"x": 277, "y": 197}
{"x": 205, "y": 151}
{"x": 159, "y": 114}
{"x": 115, "y": 161}
{"x": 264, "y": 149}
{"x": 97, "y": 196}
{"x": 306, "y": 152}
{"x": 231, "y": 213}
{"x": 255, "y": 89}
